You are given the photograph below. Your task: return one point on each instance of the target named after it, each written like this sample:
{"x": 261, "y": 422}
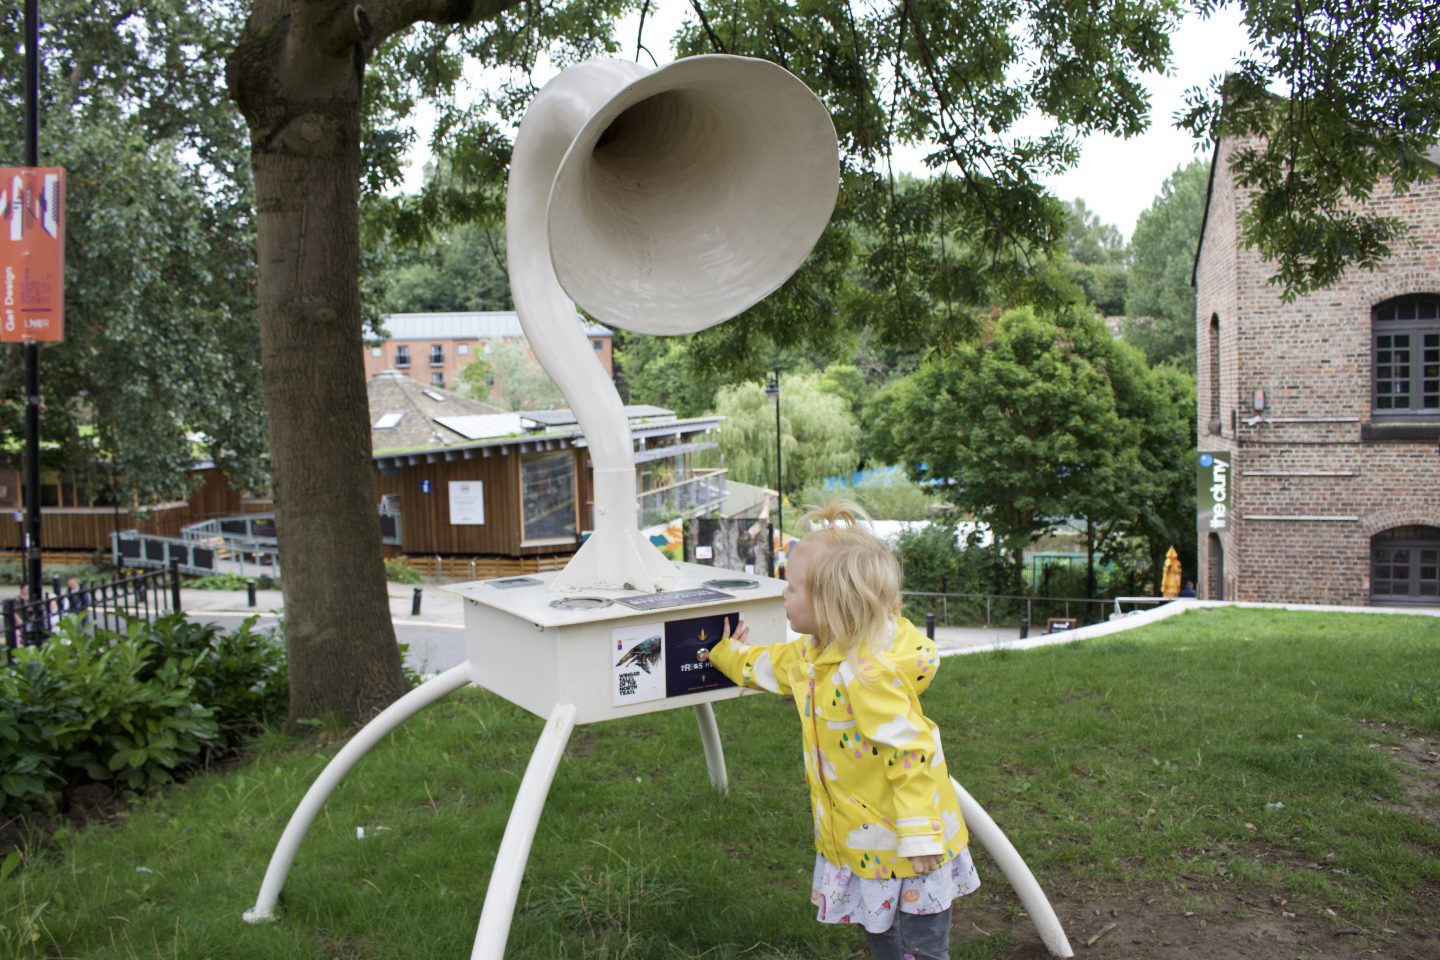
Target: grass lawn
{"x": 1225, "y": 783}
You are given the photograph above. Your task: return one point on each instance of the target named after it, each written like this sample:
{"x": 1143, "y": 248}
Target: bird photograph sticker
{"x": 639, "y": 652}
{"x": 687, "y": 654}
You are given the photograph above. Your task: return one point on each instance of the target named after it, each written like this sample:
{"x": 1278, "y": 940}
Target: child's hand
{"x": 742, "y": 631}
{"x": 924, "y": 864}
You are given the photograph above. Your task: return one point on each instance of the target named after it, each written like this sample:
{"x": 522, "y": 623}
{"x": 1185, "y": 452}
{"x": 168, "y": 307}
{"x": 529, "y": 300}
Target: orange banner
{"x": 32, "y": 254}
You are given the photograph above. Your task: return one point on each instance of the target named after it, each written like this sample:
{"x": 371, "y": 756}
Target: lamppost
{"x": 773, "y": 390}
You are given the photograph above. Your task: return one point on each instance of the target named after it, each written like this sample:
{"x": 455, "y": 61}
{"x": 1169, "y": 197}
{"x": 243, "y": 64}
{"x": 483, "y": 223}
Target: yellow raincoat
{"x": 879, "y": 789}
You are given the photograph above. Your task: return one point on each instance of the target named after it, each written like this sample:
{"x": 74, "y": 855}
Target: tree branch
{"x": 389, "y": 17}
{"x": 709, "y": 32}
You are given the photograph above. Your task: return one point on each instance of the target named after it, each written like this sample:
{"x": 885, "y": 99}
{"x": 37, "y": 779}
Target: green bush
{"x": 132, "y": 708}
{"x": 219, "y": 581}
{"x": 932, "y": 562}
{"x": 12, "y": 573}
{"x": 241, "y": 675}
{"x": 398, "y": 571}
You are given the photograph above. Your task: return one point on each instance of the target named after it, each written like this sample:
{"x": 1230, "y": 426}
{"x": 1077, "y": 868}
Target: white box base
{"x": 537, "y": 656}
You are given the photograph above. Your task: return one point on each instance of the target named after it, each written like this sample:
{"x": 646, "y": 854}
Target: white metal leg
{"x": 519, "y": 834}
{"x": 1003, "y": 852}
{"x": 714, "y": 752}
{"x": 325, "y": 784}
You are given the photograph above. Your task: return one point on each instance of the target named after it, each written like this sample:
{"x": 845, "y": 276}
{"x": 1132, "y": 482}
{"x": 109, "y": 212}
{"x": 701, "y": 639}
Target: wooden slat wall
{"x": 425, "y": 517}
{"x": 483, "y": 568}
{"x": 214, "y": 498}
{"x": 89, "y": 528}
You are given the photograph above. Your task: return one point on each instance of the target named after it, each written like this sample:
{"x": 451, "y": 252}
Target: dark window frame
{"x": 402, "y": 355}
{"x": 1421, "y": 333}
{"x": 1417, "y": 549}
{"x": 437, "y": 354}
{"x": 535, "y": 495}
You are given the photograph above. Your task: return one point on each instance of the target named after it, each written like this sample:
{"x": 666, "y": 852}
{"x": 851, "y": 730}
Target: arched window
{"x": 1405, "y": 565}
{"x": 1405, "y": 334}
{"x": 1214, "y": 417}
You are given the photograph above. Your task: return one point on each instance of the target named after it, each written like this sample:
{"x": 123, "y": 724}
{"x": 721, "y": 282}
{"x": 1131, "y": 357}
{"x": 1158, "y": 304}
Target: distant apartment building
{"x": 434, "y": 347}
{"x": 1319, "y": 420}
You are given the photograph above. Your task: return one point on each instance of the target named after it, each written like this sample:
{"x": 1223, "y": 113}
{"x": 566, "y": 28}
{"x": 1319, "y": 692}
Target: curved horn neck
{"x": 615, "y": 556}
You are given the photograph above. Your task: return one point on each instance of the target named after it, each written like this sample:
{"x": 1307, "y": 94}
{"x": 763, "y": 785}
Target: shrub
{"x": 398, "y": 571}
{"x": 933, "y": 562}
{"x": 241, "y": 675}
{"x": 219, "y": 581}
{"x": 13, "y": 573}
{"x": 132, "y": 708}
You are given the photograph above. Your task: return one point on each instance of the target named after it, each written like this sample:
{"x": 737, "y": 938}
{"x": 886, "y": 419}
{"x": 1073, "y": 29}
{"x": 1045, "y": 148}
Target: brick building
{"x": 434, "y": 347}
{"x": 1319, "y": 420}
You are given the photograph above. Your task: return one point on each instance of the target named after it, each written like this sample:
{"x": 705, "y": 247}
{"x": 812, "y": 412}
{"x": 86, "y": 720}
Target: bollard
{"x": 1024, "y": 627}
{"x": 250, "y": 591}
{"x": 415, "y": 603}
{"x": 930, "y": 625}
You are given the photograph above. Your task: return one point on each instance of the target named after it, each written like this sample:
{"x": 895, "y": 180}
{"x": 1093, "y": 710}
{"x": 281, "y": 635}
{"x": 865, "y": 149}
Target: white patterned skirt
{"x": 842, "y": 897}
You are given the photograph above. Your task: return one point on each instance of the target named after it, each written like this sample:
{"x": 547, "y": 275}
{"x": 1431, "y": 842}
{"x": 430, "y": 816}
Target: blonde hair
{"x": 851, "y": 579}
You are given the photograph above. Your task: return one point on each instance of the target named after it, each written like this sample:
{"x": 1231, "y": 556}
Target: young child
{"x": 890, "y": 842}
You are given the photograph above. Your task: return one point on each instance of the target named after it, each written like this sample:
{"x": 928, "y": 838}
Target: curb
{"x": 1165, "y": 611}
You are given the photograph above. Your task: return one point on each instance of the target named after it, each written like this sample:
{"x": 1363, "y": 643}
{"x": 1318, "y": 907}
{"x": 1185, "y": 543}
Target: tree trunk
{"x": 297, "y": 80}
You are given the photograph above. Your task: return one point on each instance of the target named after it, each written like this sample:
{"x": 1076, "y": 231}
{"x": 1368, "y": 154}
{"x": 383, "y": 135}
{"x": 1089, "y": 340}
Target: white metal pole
{"x": 1003, "y": 852}
{"x": 514, "y": 852}
{"x": 325, "y": 784}
{"x": 714, "y": 752}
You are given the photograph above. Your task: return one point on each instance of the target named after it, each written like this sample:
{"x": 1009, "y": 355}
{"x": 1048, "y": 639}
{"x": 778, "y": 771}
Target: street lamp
{"x": 773, "y": 390}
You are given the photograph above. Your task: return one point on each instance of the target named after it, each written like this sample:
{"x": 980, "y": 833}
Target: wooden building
{"x": 72, "y": 520}
{"x": 498, "y": 484}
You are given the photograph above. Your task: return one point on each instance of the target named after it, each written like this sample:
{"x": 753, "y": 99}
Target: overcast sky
{"x": 1117, "y": 179}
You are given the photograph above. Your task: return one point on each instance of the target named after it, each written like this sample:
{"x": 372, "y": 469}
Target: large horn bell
{"x": 660, "y": 202}
{"x": 692, "y": 194}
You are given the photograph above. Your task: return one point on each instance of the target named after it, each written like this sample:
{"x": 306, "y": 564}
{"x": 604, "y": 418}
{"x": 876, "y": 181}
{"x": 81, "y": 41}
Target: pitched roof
{"x": 487, "y": 325}
{"x": 406, "y": 413}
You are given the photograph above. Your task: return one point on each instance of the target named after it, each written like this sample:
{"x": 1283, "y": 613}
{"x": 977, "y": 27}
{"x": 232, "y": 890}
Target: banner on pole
{"x": 32, "y": 254}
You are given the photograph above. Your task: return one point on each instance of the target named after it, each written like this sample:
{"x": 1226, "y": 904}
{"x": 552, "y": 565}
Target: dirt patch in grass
{"x": 93, "y": 803}
{"x": 1419, "y": 759}
{"x": 1212, "y": 921}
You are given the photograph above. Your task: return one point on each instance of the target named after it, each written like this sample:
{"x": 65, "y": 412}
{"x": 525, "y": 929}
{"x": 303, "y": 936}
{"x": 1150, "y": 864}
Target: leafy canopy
{"x": 160, "y": 344}
{"x": 1358, "y": 101}
{"x": 1159, "y": 298}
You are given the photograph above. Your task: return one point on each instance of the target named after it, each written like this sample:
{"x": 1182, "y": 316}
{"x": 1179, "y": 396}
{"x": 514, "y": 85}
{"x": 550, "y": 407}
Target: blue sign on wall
{"x": 425, "y": 486}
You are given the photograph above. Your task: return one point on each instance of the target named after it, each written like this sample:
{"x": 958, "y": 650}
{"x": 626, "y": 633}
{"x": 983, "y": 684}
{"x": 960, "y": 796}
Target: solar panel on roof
{"x": 483, "y": 426}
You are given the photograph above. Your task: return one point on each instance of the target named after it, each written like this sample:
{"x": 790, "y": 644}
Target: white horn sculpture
{"x": 661, "y": 202}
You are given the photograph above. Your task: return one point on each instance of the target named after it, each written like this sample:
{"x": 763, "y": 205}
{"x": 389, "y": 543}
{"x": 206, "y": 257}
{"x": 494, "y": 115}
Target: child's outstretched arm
{"x": 759, "y": 667}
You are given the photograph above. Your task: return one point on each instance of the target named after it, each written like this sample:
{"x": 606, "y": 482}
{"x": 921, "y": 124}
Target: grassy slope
{"x": 1131, "y": 761}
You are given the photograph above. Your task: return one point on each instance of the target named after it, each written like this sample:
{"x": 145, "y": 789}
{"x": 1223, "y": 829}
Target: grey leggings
{"x": 913, "y": 937}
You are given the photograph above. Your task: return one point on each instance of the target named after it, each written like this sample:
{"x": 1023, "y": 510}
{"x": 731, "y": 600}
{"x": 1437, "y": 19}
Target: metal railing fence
{"x": 146, "y": 595}
{"x": 993, "y": 609}
{"x": 701, "y": 492}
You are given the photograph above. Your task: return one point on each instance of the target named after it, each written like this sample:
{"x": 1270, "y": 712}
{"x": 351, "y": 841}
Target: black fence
{"x": 108, "y": 605}
{"x": 1000, "y": 610}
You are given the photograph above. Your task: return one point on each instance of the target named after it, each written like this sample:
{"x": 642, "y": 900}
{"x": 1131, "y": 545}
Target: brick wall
{"x": 383, "y": 357}
{"x": 1306, "y": 455}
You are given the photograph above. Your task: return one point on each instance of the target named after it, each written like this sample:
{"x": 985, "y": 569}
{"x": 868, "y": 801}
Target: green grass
{"x": 1137, "y": 763}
